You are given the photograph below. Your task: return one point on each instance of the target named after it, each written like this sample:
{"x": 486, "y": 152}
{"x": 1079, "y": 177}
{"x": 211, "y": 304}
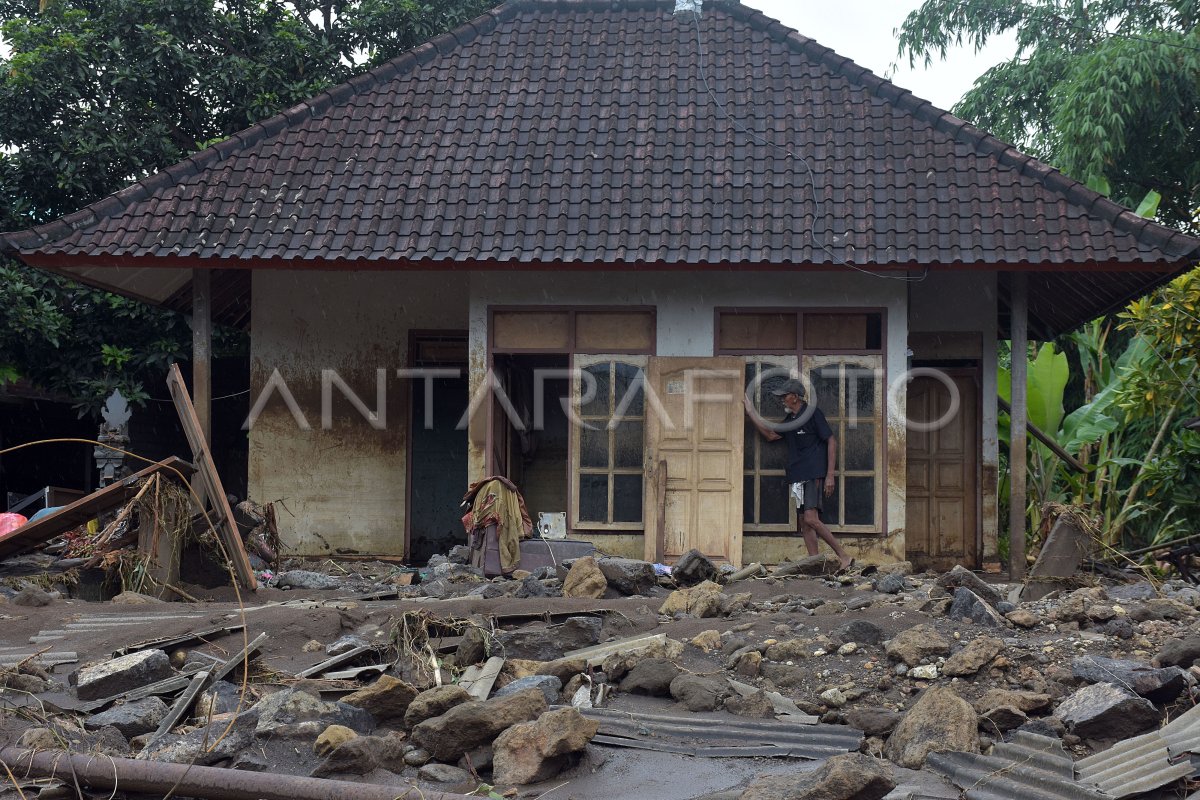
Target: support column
{"x": 202, "y": 349}
{"x": 1020, "y": 415}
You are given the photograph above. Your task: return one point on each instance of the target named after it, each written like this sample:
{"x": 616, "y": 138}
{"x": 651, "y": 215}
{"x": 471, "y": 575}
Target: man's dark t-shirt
{"x": 808, "y": 456}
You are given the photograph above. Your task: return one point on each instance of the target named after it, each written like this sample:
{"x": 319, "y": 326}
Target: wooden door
{"x": 500, "y": 432}
{"x": 694, "y": 431}
{"x": 942, "y": 517}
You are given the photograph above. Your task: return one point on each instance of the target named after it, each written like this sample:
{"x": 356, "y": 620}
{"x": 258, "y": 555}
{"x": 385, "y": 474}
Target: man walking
{"x": 812, "y": 457}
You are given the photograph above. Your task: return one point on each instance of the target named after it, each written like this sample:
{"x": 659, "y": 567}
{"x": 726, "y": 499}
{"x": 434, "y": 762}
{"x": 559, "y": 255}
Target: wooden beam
{"x": 202, "y": 349}
{"x": 1038, "y": 434}
{"x": 1018, "y": 439}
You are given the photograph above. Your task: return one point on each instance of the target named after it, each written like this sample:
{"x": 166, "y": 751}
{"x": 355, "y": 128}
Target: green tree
{"x": 1106, "y": 90}
{"x": 95, "y": 94}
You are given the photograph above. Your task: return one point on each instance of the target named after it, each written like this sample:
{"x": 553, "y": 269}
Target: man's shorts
{"x": 809, "y": 494}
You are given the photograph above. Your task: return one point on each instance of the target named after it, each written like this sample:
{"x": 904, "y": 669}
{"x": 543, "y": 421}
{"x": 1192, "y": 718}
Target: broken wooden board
{"x": 181, "y": 707}
{"x": 478, "y": 681}
{"x": 167, "y": 642}
{"x": 330, "y": 663}
{"x": 210, "y": 481}
{"x": 236, "y": 660}
{"x": 357, "y": 673}
{"x": 42, "y": 530}
{"x": 596, "y": 654}
{"x": 1063, "y": 551}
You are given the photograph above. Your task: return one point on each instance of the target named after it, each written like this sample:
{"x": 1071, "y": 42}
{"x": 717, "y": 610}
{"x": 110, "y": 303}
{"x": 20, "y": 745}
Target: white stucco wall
{"x": 967, "y": 302}
{"x": 341, "y": 487}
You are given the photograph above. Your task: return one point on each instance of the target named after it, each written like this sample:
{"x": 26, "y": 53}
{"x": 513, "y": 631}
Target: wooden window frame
{"x": 791, "y": 363}
{"x": 571, "y": 347}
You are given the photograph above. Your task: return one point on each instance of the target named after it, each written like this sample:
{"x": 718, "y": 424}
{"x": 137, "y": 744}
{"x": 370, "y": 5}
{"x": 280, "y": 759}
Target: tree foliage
{"x": 95, "y": 94}
{"x": 1106, "y": 90}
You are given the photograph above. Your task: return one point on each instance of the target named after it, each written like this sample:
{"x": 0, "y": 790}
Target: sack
{"x": 485, "y": 550}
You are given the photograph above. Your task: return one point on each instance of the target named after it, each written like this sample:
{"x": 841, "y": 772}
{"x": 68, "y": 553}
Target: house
{"x": 644, "y": 209}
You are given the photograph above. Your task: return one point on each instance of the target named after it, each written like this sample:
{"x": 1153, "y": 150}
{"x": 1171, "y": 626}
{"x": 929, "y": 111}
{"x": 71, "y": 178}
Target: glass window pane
{"x": 825, "y": 382}
{"x": 831, "y": 513}
{"x": 860, "y": 501}
{"x": 629, "y": 437}
{"x": 835, "y": 331}
{"x": 773, "y": 503}
{"x": 747, "y": 499}
{"x": 860, "y": 446}
{"x": 874, "y": 331}
{"x": 774, "y": 454}
{"x": 631, "y": 403}
{"x": 627, "y": 498}
{"x": 598, "y": 406}
{"x": 751, "y": 438}
{"x": 593, "y": 447}
{"x": 860, "y": 390}
{"x": 593, "y": 498}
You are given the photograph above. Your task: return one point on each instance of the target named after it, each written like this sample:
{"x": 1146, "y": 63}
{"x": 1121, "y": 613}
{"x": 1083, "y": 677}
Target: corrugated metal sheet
{"x": 1144, "y": 762}
{"x": 1029, "y": 767}
{"x": 726, "y": 738}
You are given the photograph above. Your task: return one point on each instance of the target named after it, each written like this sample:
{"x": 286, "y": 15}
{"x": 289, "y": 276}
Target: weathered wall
{"x": 341, "y": 488}
{"x": 966, "y": 302}
{"x": 685, "y": 304}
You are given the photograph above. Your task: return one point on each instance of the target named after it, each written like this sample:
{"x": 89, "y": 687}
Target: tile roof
{"x": 582, "y": 131}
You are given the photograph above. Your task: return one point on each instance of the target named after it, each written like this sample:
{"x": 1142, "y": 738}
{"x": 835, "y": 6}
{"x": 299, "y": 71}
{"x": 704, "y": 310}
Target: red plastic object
{"x": 10, "y": 522}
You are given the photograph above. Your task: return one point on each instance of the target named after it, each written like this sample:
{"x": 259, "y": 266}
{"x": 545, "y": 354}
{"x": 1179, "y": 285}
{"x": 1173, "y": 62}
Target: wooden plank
{"x": 478, "y": 681}
{"x": 1018, "y": 440}
{"x": 210, "y": 481}
{"x": 330, "y": 663}
{"x": 167, "y": 642}
{"x": 234, "y": 661}
{"x": 180, "y": 708}
{"x": 115, "y": 494}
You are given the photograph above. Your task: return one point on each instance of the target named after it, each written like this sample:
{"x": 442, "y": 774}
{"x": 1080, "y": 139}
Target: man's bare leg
{"x": 810, "y": 535}
{"x": 814, "y": 528}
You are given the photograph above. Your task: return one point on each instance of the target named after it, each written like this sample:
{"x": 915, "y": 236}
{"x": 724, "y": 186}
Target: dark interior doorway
{"x": 437, "y": 465}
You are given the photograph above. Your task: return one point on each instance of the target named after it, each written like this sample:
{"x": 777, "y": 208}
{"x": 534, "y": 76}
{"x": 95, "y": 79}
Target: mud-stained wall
{"x": 340, "y": 486}
{"x": 966, "y": 302}
{"x": 685, "y": 304}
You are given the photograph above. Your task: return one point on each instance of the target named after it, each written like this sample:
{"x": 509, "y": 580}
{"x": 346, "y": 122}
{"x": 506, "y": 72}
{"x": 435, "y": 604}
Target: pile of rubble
{"x": 856, "y": 686}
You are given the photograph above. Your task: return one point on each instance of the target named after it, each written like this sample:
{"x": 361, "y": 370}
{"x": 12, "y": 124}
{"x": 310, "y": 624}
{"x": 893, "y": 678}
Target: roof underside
{"x": 586, "y": 132}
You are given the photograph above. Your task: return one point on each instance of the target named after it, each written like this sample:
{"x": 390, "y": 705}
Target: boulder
{"x": 295, "y": 714}
{"x": 960, "y": 576}
{"x": 470, "y": 725}
{"x": 707, "y": 641}
{"x": 652, "y": 676}
{"x": 474, "y": 645}
{"x": 617, "y": 665}
{"x": 693, "y": 567}
{"x": 534, "y": 751}
{"x": 1159, "y": 685}
{"x": 1074, "y": 607}
{"x": 850, "y": 776}
{"x": 756, "y": 705}
{"x": 872, "y": 721}
{"x": 331, "y": 738}
{"x": 386, "y": 699}
{"x": 859, "y": 631}
{"x": 702, "y": 600}
{"x": 433, "y": 703}
{"x": 1023, "y": 618}
{"x": 131, "y": 719}
{"x": 356, "y": 755}
{"x": 699, "y": 693}
{"x": 207, "y": 745}
{"x": 892, "y": 583}
{"x": 966, "y": 604}
{"x": 585, "y": 579}
{"x": 627, "y": 575}
{"x": 548, "y": 685}
{"x": 916, "y": 643}
{"x": 135, "y": 599}
{"x": 443, "y": 773}
{"x": 40, "y": 739}
{"x": 548, "y": 644}
{"x": 1107, "y": 711}
{"x": 122, "y": 674}
{"x": 940, "y": 720}
{"x": 564, "y": 668}
{"x": 1179, "y": 652}
{"x": 972, "y": 658}
{"x": 1002, "y": 718}
{"x": 1026, "y": 702}
{"x": 32, "y": 597}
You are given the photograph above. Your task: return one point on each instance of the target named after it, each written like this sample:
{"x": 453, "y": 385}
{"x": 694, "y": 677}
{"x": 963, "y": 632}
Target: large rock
{"x": 892, "y": 583}
{"x": 699, "y": 693}
{"x": 1107, "y": 711}
{"x": 331, "y": 738}
{"x": 969, "y": 605}
{"x": 386, "y": 699}
{"x": 585, "y": 579}
{"x": 1179, "y": 653}
{"x": 529, "y": 752}
{"x": 1025, "y": 702}
{"x": 294, "y": 714}
{"x": 873, "y": 721}
{"x": 207, "y": 745}
{"x": 820, "y": 564}
{"x": 916, "y": 643}
{"x": 1159, "y": 685}
{"x": 961, "y": 576}
{"x": 547, "y": 644}
{"x": 361, "y": 754}
{"x": 1074, "y": 607}
{"x": 939, "y": 721}
{"x": 693, "y": 567}
{"x": 617, "y": 665}
{"x": 972, "y": 658}
{"x": 564, "y": 668}
{"x": 652, "y": 676}
{"x": 470, "y": 725}
{"x": 122, "y": 674}
{"x": 859, "y": 631}
{"x": 433, "y": 703}
{"x": 702, "y": 600}
{"x": 131, "y": 719}
{"x": 627, "y": 575}
{"x": 474, "y": 645}
{"x": 548, "y": 685}
{"x": 852, "y": 776}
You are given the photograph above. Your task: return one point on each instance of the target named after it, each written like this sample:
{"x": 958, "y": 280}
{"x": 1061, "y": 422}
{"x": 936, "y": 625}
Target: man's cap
{"x": 792, "y": 386}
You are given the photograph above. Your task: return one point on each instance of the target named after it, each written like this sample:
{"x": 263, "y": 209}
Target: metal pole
{"x": 1018, "y": 439}
{"x": 207, "y": 783}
